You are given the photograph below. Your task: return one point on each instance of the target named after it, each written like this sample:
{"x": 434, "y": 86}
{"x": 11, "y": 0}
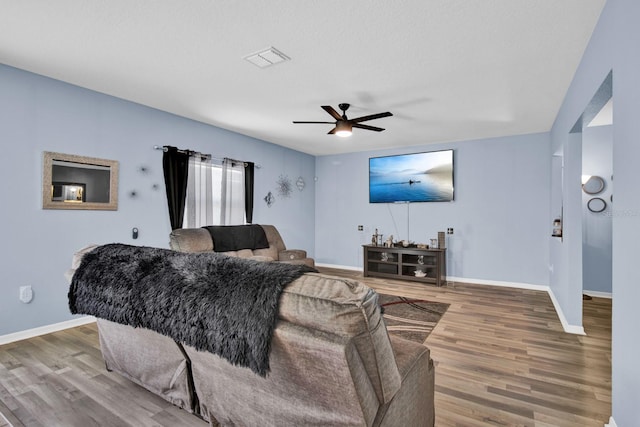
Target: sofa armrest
{"x": 291, "y": 254}
{"x": 414, "y": 403}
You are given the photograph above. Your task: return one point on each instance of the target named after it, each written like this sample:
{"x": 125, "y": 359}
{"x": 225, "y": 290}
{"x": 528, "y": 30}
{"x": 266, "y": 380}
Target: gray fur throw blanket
{"x": 227, "y": 306}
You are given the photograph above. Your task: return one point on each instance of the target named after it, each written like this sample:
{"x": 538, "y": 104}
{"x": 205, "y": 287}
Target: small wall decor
{"x": 269, "y": 199}
{"x": 593, "y": 185}
{"x": 284, "y": 186}
{"x": 596, "y": 205}
{"x": 143, "y": 169}
{"x": 300, "y": 183}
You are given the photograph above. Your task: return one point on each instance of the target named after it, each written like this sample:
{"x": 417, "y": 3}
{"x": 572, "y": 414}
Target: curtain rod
{"x": 165, "y": 149}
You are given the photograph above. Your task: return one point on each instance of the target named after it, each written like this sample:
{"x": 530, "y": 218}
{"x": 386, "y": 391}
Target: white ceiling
{"x": 447, "y": 69}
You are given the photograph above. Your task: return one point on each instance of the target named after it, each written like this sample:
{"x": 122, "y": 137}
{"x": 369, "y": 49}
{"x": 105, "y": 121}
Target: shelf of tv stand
{"x": 402, "y": 262}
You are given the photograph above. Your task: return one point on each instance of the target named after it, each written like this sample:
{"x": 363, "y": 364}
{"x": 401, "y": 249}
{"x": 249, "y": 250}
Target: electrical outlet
{"x": 360, "y": 228}
{"x": 450, "y": 230}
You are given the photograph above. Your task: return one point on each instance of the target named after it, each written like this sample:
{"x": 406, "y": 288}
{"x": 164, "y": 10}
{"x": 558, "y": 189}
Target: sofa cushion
{"x": 350, "y": 309}
{"x": 270, "y": 252}
{"x": 191, "y": 240}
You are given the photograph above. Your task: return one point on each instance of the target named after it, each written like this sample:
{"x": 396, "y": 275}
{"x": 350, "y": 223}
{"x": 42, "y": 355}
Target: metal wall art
{"x": 300, "y": 183}
{"x": 284, "y": 186}
{"x": 269, "y": 199}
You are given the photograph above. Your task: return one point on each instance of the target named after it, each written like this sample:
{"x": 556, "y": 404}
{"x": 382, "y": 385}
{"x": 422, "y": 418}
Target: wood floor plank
{"x": 501, "y": 357}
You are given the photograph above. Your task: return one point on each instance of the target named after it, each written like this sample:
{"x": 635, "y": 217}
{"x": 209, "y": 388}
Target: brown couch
{"x": 332, "y": 362}
{"x": 199, "y": 240}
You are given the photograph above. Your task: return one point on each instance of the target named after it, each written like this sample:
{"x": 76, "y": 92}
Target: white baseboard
{"x": 612, "y": 423}
{"x": 598, "y": 294}
{"x": 47, "y": 329}
{"x": 341, "y": 267}
{"x": 517, "y": 285}
{"x": 570, "y": 329}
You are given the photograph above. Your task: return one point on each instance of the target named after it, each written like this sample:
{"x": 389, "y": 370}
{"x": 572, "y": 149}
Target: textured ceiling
{"x": 447, "y": 69}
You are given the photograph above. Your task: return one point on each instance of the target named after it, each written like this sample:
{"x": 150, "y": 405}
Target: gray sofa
{"x": 199, "y": 240}
{"x": 332, "y": 362}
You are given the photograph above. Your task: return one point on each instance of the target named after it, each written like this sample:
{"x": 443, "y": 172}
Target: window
{"x": 215, "y": 193}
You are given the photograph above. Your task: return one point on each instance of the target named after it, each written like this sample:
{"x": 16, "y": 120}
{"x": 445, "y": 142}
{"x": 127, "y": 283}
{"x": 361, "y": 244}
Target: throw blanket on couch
{"x": 235, "y": 237}
{"x": 225, "y": 305}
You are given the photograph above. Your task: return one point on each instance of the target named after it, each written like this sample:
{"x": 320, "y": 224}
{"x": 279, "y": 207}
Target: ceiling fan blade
{"x": 329, "y": 109}
{"x": 328, "y": 123}
{"x": 332, "y": 131}
{"x": 370, "y": 117}
{"x": 367, "y": 127}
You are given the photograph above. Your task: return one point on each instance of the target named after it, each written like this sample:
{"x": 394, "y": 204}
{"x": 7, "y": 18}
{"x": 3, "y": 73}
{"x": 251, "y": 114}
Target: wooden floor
{"x": 501, "y": 359}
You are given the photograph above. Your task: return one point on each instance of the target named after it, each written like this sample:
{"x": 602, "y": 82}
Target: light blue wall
{"x": 499, "y": 214}
{"x": 597, "y": 159}
{"x": 39, "y": 114}
{"x": 614, "y": 46}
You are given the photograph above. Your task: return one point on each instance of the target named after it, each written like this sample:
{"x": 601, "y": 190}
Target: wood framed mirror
{"x": 78, "y": 182}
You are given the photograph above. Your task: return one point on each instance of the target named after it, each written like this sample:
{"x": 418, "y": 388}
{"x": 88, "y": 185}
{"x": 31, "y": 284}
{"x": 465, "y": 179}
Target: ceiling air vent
{"x": 266, "y": 58}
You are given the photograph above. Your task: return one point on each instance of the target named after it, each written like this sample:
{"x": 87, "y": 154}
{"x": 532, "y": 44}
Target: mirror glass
{"x": 594, "y": 185}
{"x": 77, "y": 182}
{"x": 596, "y": 204}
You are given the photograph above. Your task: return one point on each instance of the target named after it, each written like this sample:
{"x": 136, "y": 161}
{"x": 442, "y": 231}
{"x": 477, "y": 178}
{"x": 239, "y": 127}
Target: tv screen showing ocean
{"x": 420, "y": 177}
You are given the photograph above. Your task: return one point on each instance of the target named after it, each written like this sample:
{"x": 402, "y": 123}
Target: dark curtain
{"x": 175, "y": 164}
{"x": 248, "y": 191}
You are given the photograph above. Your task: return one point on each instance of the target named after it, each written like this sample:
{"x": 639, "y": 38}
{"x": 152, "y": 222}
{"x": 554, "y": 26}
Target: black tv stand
{"x": 406, "y": 263}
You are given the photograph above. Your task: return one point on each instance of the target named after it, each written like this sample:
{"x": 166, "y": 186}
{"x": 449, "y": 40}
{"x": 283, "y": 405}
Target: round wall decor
{"x": 596, "y": 204}
{"x": 594, "y": 185}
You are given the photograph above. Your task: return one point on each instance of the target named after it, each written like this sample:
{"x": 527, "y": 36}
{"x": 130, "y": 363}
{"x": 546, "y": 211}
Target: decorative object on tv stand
{"x": 376, "y": 239}
{"x": 441, "y": 240}
{"x": 434, "y": 244}
{"x": 389, "y": 242}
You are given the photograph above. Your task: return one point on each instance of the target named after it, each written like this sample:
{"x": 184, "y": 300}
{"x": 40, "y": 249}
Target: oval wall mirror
{"x": 596, "y": 204}
{"x": 77, "y": 182}
{"x": 594, "y": 185}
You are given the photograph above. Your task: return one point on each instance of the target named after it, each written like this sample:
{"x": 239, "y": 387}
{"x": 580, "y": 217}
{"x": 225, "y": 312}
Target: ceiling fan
{"x": 343, "y": 125}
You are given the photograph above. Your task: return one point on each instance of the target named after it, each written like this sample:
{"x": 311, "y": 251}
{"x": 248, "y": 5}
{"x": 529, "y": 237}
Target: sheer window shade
{"x": 232, "y": 193}
{"x": 215, "y": 193}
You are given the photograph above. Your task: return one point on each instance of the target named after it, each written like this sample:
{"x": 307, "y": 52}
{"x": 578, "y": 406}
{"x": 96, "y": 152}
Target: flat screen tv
{"x": 417, "y": 177}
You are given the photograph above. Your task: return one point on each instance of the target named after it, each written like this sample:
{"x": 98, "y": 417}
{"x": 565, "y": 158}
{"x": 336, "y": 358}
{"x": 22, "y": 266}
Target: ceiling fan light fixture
{"x": 343, "y": 129}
